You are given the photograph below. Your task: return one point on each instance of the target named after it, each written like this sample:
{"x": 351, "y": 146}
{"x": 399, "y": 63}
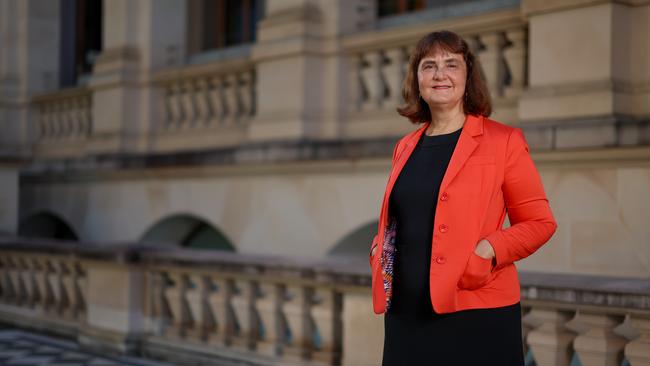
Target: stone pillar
{"x": 363, "y": 330}
{"x": 638, "y": 351}
{"x": 301, "y": 77}
{"x": 115, "y": 307}
{"x": 9, "y": 195}
{"x": 550, "y": 341}
{"x": 586, "y": 63}
{"x": 139, "y": 37}
{"x": 598, "y": 345}
{"x": 29, "y": 64}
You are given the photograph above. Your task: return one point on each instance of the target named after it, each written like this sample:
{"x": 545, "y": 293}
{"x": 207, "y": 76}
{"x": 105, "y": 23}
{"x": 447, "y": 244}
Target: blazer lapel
{"x": 467, "y": 143}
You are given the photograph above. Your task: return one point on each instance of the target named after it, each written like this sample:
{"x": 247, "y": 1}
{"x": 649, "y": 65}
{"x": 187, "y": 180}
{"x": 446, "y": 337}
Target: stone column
{"x": 115, "y": 307}
{"x": 9, "y": 194}
{"x": 585, "y": 64}
{"x": 363, "y": 330}
{"x": 29, "y": 64}
{"x": 301, "y": 74}
{"x": 139, "y": 37}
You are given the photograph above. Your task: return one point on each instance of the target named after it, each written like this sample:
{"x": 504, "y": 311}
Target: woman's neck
{"x": 445, "y": 121}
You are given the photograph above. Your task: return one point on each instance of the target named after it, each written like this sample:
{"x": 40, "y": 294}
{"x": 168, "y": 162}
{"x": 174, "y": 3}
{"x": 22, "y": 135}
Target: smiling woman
{"x": 445, "y": 77}
{"x": 443, "y": 268}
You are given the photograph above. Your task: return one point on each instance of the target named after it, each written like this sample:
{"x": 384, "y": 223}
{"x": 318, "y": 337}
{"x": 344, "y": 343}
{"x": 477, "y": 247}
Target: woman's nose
{"x": 438, "y": 74}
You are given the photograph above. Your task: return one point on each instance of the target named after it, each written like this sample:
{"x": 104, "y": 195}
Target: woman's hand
{"x": 484, "y": 249}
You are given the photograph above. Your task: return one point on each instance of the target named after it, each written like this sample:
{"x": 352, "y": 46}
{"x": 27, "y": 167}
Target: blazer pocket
{"x": 480, "y": 160}
{"x": 478, "y": 272}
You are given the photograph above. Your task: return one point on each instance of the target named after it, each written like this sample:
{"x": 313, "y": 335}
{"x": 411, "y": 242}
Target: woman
{"x": 443, "y": 268}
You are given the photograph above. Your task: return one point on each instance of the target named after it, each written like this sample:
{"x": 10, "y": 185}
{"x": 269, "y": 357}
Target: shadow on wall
{"x": 356, "y": 244}
{"x": 187, "y": 231}
{"x": 46, "y": 225}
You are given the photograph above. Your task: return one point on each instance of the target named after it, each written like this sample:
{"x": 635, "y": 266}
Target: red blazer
{"x": 490, "y": 173}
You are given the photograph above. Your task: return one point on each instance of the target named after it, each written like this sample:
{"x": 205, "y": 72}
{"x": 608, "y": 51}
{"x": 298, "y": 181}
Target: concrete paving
{"x": 21, "y": 348}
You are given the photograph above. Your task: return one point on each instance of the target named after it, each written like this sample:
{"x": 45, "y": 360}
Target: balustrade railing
{"x": 45, "y": 289}
{"x": 64, "y": 116}
{"x": 200, "y": 97}
{"x": 268, "y": 310}
{"x": 272, "y": 310}
{"x": 377, "y": 67}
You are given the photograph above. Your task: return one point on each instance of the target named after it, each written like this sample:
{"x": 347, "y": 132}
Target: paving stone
{"x": 21, "y": 348}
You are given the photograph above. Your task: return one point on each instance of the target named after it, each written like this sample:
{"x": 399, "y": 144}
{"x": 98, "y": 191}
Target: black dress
{"x": 414, "y": 333}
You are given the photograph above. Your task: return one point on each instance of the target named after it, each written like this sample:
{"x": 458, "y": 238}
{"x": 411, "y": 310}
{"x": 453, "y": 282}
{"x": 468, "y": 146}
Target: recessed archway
{"x": 356, "y": 243}
{"x": 46, "y": 225}
{"x": 187, "y": 231}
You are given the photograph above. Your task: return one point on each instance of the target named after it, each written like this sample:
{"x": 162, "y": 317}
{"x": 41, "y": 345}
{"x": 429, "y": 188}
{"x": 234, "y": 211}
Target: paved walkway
{"x": 20, "y": 348}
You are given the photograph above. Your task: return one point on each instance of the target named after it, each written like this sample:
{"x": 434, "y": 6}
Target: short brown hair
{"x": 476, "y": 99}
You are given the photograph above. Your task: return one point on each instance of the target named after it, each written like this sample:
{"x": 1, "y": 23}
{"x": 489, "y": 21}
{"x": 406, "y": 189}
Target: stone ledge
{"x": 605, "y": 132}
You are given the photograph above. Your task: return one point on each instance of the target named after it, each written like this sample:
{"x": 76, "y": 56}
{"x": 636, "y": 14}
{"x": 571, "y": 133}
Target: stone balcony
{"x": 187, "y": 306}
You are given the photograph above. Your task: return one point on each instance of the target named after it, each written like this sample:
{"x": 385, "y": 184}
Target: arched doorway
{"x": 187, "y": 231}
{"x": 356, "y": 243}
{"x": 46, "y": 225}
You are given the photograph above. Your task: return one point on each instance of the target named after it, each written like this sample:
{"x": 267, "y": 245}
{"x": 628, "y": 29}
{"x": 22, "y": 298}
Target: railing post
{"x": 326, "y": 312}
{"x": 115, "y": 305}
{"x": 202, "y": 319}
{"x": 363, "y": 330}
{"x": 393, "y": 73}
{"x": 515, "y": 56}
{"x": 598, "y": 344}
{"x": 296, "y": 310}
{"x": 492, "y": 61}
{"x": 637, "y": 352}
{"x": 268, "y": 307}
{"x": 243, "y": 300}
{"x": 550, "y": 341}
{"x": 372, "y": 79}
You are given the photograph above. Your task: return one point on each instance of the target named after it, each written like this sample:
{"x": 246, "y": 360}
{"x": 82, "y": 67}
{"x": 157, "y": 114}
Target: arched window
{"x": 187, "y": 231}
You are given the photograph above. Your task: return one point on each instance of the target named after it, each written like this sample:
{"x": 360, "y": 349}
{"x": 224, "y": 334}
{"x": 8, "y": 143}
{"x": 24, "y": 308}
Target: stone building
{"x": 265, "y": 127}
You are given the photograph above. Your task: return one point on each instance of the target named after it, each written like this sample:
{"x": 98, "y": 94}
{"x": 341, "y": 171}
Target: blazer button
{"x": 443, "y": 228}
{"x": 444, "y": 196}
{"x": 441, "y": 260}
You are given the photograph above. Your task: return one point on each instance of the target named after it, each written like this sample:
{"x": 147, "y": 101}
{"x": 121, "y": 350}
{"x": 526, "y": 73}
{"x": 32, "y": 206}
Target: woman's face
{"x": 441, "y": 80}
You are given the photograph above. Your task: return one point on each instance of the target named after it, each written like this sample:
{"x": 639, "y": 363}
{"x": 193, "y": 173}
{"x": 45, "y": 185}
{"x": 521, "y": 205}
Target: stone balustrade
{"x": 46, "y": 290}
{"x": 207, "y": 97}
{"x": 188, "y": 306}
{"x": 377, "y": 71}
{"x": 378, "y": 61}
{"x": 64, "y": 116}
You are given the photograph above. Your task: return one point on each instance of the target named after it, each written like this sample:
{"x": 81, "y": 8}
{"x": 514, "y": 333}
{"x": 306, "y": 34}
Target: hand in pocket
{"x": 477, "y": 273}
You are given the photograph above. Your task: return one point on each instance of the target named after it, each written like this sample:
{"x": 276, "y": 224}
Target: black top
{"x": 413, "y": 204}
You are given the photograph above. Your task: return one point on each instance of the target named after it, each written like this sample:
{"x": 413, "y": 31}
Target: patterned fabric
{"x": 388, "y": 258}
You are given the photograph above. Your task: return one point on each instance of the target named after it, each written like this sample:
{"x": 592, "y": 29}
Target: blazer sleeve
{"x": 531, "y": 220}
